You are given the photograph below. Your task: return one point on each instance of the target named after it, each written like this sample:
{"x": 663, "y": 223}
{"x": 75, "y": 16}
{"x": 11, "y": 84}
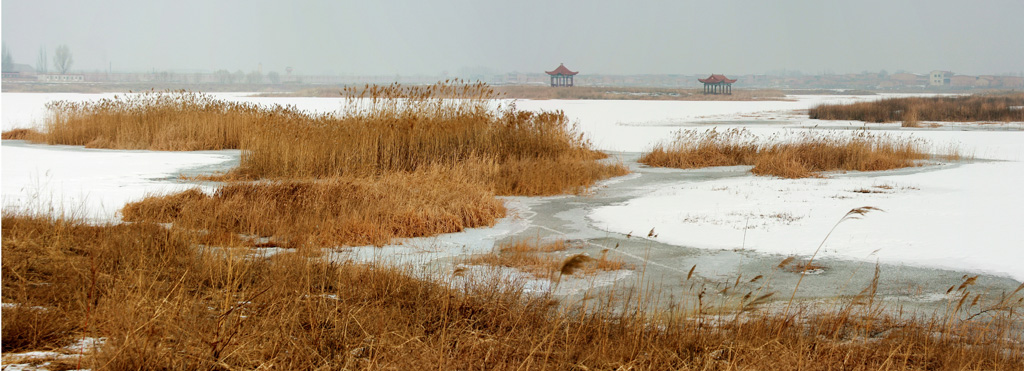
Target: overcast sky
{"x": 598, "y": 36}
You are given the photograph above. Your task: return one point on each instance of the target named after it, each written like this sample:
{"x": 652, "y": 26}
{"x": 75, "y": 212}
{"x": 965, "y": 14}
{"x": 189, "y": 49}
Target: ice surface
{"x": 91, "y": 183}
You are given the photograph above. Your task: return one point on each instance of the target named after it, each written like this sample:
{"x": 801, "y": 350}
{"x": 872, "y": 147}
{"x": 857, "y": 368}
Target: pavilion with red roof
{"x": 717, "y": 84}
{"x": 561, "y": 76}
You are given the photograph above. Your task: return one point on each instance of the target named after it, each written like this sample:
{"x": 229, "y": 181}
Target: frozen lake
{"x": 962, "y": 216}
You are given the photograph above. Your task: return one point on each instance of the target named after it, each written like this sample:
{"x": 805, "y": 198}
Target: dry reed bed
{"x": 162, "y": 302}
{"x": 395, "y": 162}
{"x": 400, "y": 129}
{"x": 31, "y": 135}
{"x": 987, "y": 107}
{"x": 330, "y": 212}
{"x": 545, "y": 260}
{"x": 381, "y": 130}
{"x": 163, "y": 121}
{"x": 806, "y": 155}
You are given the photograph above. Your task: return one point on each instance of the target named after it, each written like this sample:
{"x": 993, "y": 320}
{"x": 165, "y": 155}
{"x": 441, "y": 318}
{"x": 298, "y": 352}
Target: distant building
{"x": 962, "y": 81}
{"x": 561, "y": 76}
{"x": 60, "y": 78}
{"x": 717, "y": 84}
{"x": 940, "y": 78}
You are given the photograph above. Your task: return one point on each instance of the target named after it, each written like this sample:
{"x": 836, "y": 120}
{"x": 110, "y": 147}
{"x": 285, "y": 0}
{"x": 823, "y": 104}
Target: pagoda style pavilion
{"x": 561, "y": 76}
{"x": 717, "y": 84}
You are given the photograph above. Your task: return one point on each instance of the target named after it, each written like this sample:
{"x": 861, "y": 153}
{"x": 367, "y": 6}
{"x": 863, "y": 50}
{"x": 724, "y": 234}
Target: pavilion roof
{"x": 715, "y": 78}
{"x": 561, "y": 70}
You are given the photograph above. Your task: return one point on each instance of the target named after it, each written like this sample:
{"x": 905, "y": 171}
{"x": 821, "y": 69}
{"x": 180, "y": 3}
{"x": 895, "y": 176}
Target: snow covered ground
{"x": 962, "y": 216}
{"x": 91, "y": 183}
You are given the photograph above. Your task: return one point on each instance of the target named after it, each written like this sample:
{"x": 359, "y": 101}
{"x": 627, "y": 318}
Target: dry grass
{"x": 401, "y": 129}
{"x": 399, "y": 162}
{"x": 911, "y": 111}
{"x": 545, "y": 260}
{"x": 31, "y": 135}
{"x": 164, "y": 302}
{"x": 807, "y": 155}
{"x": 329, "y": 212}
{"x": 165, "y": 121}
{"x": 382, "y": 130}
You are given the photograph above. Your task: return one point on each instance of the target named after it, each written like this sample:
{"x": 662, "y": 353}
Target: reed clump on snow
{"x": 804, "y": 155}
{"x": 395, "y": 128}
{"x": 396, "y": 162}
{"x": 1004, "y": 107}
{"x": 163, "y": 121}
{"x": 380, "y": 130}
{"x": 162, "y": 300}
{"x": 330, "y": 212}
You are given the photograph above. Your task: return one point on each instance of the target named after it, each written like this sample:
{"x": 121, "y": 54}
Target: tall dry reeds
{"x": 401, "y": 129}
{"x": 985, "y": 107}
{"x": 803, "y": 155}
{"x": 329, "y": 212}
{"x": 164, "y": 121}
{"x": 162, "y": 301}
{"x": 31, "y": 135}
{"x": 380, "y": 130}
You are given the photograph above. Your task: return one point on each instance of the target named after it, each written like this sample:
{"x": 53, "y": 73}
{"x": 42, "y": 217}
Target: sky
{"x": 594, "y": 37}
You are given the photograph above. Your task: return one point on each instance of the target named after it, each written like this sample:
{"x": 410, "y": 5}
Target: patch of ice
{"x": 91, "y": 183}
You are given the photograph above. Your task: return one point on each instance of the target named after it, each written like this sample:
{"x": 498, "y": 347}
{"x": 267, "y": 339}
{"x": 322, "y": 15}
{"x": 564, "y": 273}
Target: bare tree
{"x": 224, "y": 77}
{"x": 254, "y": 77}
{"x": 275, "y": 78}
{"x": 62, "y": 59}
{"x": 42, "y": 61}
{"x": 8, "y": 59}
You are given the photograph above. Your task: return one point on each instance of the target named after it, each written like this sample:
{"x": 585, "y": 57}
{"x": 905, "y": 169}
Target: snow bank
{"x": 91, "y": 183}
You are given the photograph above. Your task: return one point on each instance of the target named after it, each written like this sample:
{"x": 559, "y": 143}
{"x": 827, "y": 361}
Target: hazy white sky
{"x": 597, "y": 36}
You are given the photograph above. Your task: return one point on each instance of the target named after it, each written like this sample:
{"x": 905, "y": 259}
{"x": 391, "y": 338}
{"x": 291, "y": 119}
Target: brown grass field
{"x": 163, "y": 301}
{"x": 1003, "y": 107}
{"x": 807, "y": 155}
